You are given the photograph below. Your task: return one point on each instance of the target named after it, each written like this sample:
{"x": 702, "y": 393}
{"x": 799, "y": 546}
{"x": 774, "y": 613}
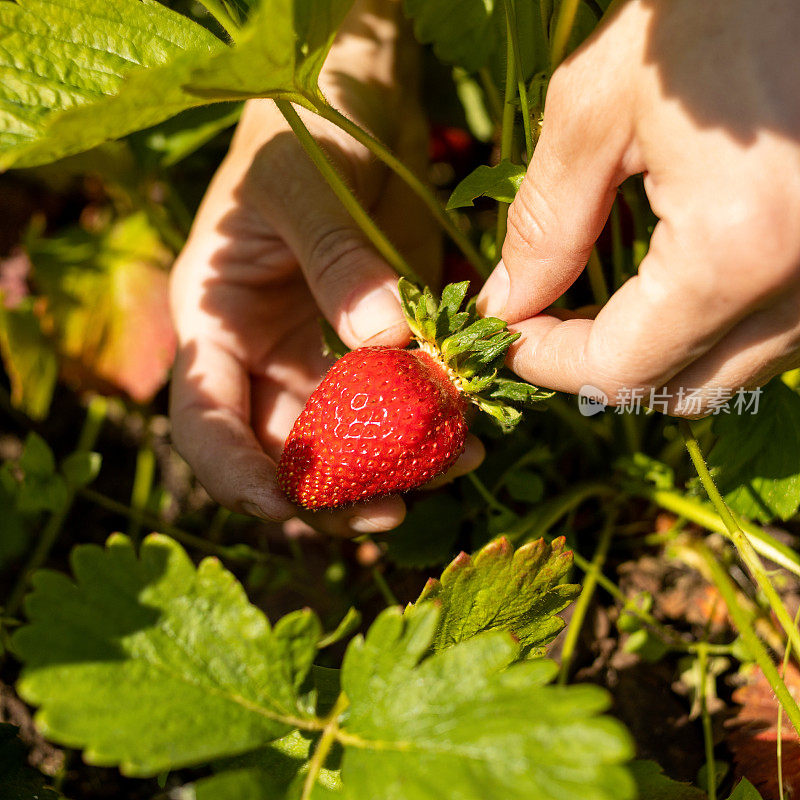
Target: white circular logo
{"x": 591, "y": 400}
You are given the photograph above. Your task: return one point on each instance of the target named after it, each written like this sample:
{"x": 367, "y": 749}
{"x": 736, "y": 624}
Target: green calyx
{"x": 471, "y": 349}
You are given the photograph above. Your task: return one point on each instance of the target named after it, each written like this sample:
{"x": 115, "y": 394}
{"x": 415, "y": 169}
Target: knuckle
{"x": 333, "y": 254}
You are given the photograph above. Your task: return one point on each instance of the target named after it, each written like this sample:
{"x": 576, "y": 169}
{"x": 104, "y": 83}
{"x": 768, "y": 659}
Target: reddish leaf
{"x": 754, "y": 737}
{"x": 106, "y": 306}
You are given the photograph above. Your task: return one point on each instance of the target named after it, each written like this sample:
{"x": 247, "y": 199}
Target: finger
{"x": 656, "y": 324}
{"x": 377, "y": 516}
{"x": 209, "y": 407}
{"x": 583, "y": 154}
{"x": 469, "y": 460}
{"x": 763, "y": 345}
{"x": 353, "y": 285}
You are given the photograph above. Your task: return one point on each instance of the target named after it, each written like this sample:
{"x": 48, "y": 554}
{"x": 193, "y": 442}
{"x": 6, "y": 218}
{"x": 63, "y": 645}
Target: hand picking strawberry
{"x": 385, "y": 420}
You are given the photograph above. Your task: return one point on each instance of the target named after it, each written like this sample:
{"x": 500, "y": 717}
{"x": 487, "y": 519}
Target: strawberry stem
{"x": 342, "y": 191}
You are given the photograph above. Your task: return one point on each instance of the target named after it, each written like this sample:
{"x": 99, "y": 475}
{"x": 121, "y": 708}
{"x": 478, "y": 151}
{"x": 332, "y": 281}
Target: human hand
{"x": 701, "y": 98}
{"x": 270, "y": 250}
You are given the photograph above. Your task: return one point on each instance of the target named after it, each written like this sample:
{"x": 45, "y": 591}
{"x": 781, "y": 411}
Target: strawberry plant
{"x": 224, "y": 657}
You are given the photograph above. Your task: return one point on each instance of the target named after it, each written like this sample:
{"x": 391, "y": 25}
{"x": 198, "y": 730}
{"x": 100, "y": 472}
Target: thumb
{"x": 567, "y": 193}
{"x": 353, "y": 286}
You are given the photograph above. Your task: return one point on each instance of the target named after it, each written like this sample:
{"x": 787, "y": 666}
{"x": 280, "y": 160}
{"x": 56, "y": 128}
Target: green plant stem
{"x": 95, "y": 417}
{"x": 540, "y": 520}
{"x": 323, "y": 749}
{"x": 545, "y": 15}
{"x": 708, "y": 733}
{"x": 384, "y": 154}
{"x": 703, "y": 514}
{"x": 779, "y": 726}
{"x": 746, "y": 552}
{"x": 581, "y": 606}
{"x": 240, "y": 552}
{"x": 384, "y": 588}
{"x": 223, "y": 18}
{"x": 342, "y": 191}
{"x": 484, "y": 492}
{"x": 522, "y": 89}
{"x": 597, "y": 279}
{"x": 743, "y": 621}
{"x": 492, "y": 95}
{"x": 142, "y": 485}
{"x": 506, "y": 134}
{"x": 563, "y": 30}
{"x": 595, "y": 8}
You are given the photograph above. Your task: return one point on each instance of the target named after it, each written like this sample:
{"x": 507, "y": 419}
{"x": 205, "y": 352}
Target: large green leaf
{"x": 468, "y": 724}
{"x": 18, "y": 781}
{"x": 150, "y": 663}
{"x": 518, "y": 591}
{"x": 462, "y": 32}
{"x": 756, "y": 455}
{"x": 76, "y": 73}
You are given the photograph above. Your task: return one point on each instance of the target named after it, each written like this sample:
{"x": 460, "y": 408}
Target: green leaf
{"x": 462, "y": 32}
{"x": 427, "y": 534}
{"x": 29, "y": 359}
{"x": 152, "y": 664}
{"x": 349, "y": 624}
{"x": 467, "y": 723}
{"x": 18, "y": 781}
{"x": 81, "y": 468}
{"x": 501, "y": 183}
{"x": 654, "y": 785}
{"x": 745, "y": 791}
{"x": 37, "y": 458}
{"x": 500, "y": 588}
{"x": 76, "y": 74}
{"x": 756, "y": 456}
{"x": 271, "y": 772}
{"x": 525, "y": 485}
{"x": 518, "y": 392}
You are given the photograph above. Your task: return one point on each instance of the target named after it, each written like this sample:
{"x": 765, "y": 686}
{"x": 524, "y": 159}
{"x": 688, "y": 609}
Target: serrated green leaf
{"x": 81, "y": 468}
{"x": 503, "y": 414}
{"x": 500, "y": 182}
{"x": 654, "y": 785}
{"x": 77, "y": 74}
{"x": 462, "y": 32}
{"x": 745, "y": 791}
{"x": 152, "y": 664}
{"x": 18, "y": 781}
{"x": 461, "y": 723}
{"x": 453, "y": 296}
{"x": 40, "y": 489}
{"x": 518, "y": 392}
{"x": 464, "y": 340}
{"x": 756, "y": 456}
{"x": 500, "y": 588}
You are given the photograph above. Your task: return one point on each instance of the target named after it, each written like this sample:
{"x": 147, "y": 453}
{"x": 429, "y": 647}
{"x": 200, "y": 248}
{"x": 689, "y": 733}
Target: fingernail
{"x": 375, "y": 313}
{"x": 493, "y": 298}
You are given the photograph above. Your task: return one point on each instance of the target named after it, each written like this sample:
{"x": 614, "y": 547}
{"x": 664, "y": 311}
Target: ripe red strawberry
{"x": 385, "y": 420}
{"x": 382, "y": 421}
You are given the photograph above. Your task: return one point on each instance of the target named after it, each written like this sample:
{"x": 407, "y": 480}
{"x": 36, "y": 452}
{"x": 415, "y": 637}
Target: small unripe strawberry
{"x": 386, "y": 420}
